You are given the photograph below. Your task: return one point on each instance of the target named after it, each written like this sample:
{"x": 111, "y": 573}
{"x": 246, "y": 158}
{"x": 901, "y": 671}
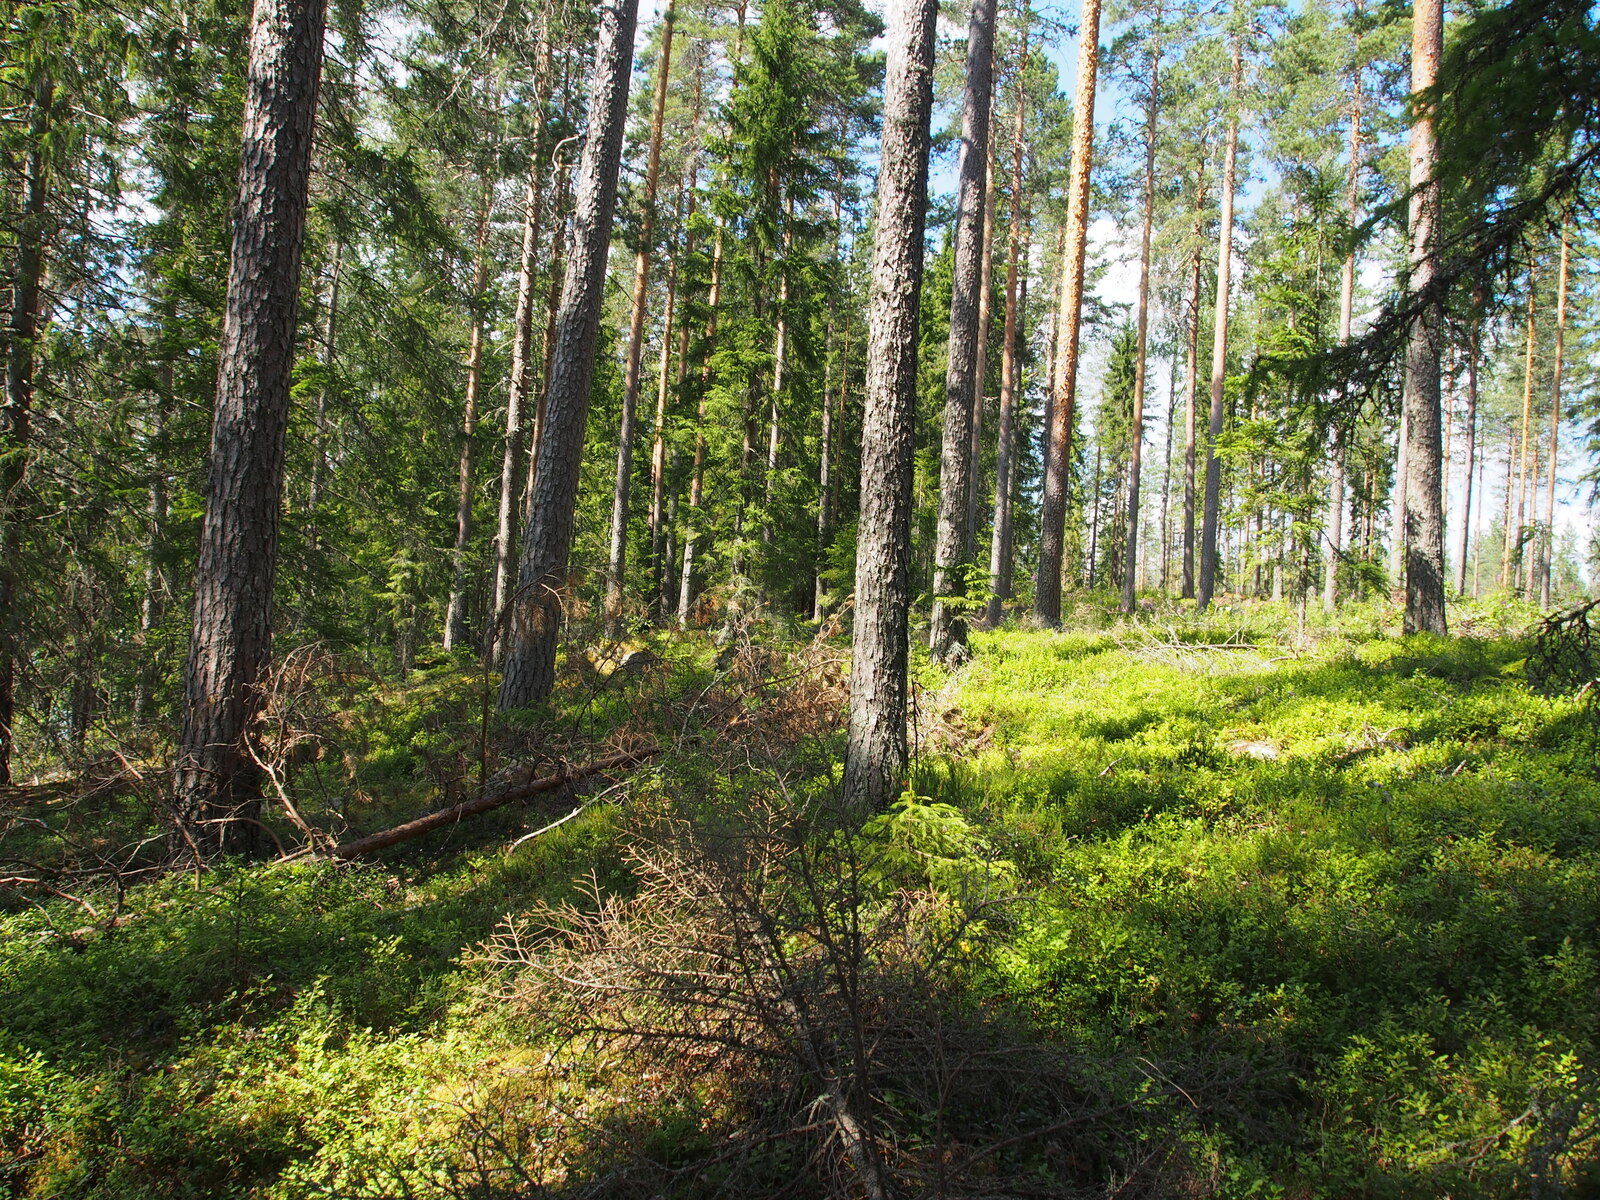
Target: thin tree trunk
{"x": 691, "y": 535}
{"x": 980, "y": 370}
{"x": 641, "y": 294}
{"x": 1053, "y": 509}
{"x": 521, "y": 355}
{"x": 1470, "y": 420}
{"x": 1514, "y": 540}
{"x": 559, "y": 239}
{"x": 825, "y": 435}
{"x": 1136, "y": 444}
{"x": 1210, "y": 518}
{"x": 217, "y": 784}
{"x": 1191, "y": 386}
{"x": 948, "y": 627}
{"x": 1347, "y": 293}
{"x": 1425, "y": 611}
{"x": 455, "y": 620}
{"x": 1397, "y": 531}
{"x": 780, "y": 364}
{"x": 16, "y": 414}
{"x": 1166, "y": 479}
{"x": 530, "y": 662}
{"x": 1555, "y": 426}
{"x": 319, "y": 447}
{"x": 876, "y": 755}
{"x": 1010, "y": 368}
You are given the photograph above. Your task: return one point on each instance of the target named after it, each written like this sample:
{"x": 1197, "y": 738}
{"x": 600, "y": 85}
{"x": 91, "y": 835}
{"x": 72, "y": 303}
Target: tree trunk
{"x": 1191, "y": 386}
{"x": 1548, "y": 558}
{"x": 659, "y": 566}
{"x": 1397, "y": 532}
{"x": 980, "y": 368}
{"x": 217, "y": 784}
{"x": 691, "y": 535}
{"x": 641, "y": 293}
{"x": 529, "y": 672}
{"x": 559, "y": 239}
{"x": 1425, "y": 611}
{"x": 1470, "y": 420}
{"x": 825, "y": 434}
{"x": 505, "y": 538}
{"x": 876, "y": 754}
{"x": 1516, "y": 534}
{"x": 319, "y": 449}
{"x": 1053, "y": 508}
{"x": 1136, "y": 444}
{"x": 455, "y": 619}
{"x": 16, "y": 414}
{"x": 948, "y": 628}
{"x": 1219, "y": 346}
{"x": 1010, "y": 368}
{"x": 1347, "y": 292}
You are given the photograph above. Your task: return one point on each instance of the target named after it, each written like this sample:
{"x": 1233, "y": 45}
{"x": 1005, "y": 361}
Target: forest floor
{"x": 1184, "y": 907}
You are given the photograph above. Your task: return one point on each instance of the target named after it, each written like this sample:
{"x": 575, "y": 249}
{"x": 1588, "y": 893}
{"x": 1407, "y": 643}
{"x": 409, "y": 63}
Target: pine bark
{"x": 980, "y": 370}
{"x": 1470, "y": 421}
{"x": 217, "y": 783}
{"x": 1210, "y": 519}
{"x": 1000, "y": 549}
{"x": 1516, "y": 535}
{"x": 528, "y": 674}
{"x": 948, "y": 626}
{"x": 1347, "y": 292}
{"x": 16, "y": 413}
{"x": 1191, "y": 377}
{"x": 876, "y": 754}
{"x": 1053, "y": 510}
{"x": 641, "y": 291}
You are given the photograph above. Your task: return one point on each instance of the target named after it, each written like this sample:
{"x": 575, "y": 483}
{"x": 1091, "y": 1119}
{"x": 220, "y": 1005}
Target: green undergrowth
{"x": 1235, "y": 907}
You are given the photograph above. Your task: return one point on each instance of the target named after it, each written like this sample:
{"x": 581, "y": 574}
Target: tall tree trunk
{"x": 1548, "y": 558}
{"x": 1010, "y": 368}
{"x": 980, "y": 369}
{"x": 691, "y": 536}
{"x": 1347, "y": 293}
{"x": 1191, "y": 385}
{"x": 780, "y": 366}
{"x": 529, "y": 671}
{"x": 948, "y": 627}
{"x": 1513, "y": 550}
{"x": 660, "y": 562}
{"x": 1397, "y": 530}
{"x": 641, "y": 295}
{"x": 825, "y": 434}
{"x": 1470, "y": 420}
{"x": 505, "y": 538}
{"x": 560, "y": 237}
{"x": 876, "y": 755}
{"x": 1425, "y": 611}
{"x": 16, "y": 414}
{"x": 1166, "y": 479}
{"x": 217, "y": 782}
{"x": 319, "y": 448}
{"x": 455, "y": 619}
{"x": 1053, "y": 509}
{"x": 1136, "y": 444}
{"x": 1210, "y": 518}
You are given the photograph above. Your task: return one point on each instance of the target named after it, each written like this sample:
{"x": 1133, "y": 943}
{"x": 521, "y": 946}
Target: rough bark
{"x": 1219, "y": 346}
{"x": 948, "y": 625}
{"x": 1000, "y": 564}
{"x": 618, "y": 562}
{"x": 217, "y": 783}
{"x": 16, "y": 413}
{"x": 455, "y": 619}
{"x": 1136, "y": 434}
{"x": 980, "y": 369}
{"x": 529, "y": 671}
{"x": 1053, "y": 508}
{"x": 876, "y": 754}
{"x": 1425, "y": 611}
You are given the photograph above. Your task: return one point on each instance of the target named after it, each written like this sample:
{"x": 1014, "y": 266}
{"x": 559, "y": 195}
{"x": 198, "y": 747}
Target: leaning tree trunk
{"x": 217, "y": 784}
{"x": 1053, "y": 508}
{"x": 455, "y": 617}
{"x": 1424, "y": 503}
{"x": 948, "y": 626}
{"x": 641, "y": 291}
{"x": 1548, "y": 557}
{"x": 1219, "y": 347}
{"x": 16, "y": 413}
{"x": 1136, "y": 434}
{"x": 876, "y": 755}
{"x": 529, "y": 672}
{"x": 1010, "y": 367}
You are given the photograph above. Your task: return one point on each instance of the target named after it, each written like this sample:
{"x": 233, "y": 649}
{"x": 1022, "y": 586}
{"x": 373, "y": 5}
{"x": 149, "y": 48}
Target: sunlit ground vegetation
{"x": 1222, "y": 906}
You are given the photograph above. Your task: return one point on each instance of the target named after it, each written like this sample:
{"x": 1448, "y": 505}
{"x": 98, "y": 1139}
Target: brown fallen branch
{"x": 509, "y": 795}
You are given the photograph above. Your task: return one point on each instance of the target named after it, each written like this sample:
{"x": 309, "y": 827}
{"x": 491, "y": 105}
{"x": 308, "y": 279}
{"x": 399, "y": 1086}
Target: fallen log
{"x": 358, "y": 847}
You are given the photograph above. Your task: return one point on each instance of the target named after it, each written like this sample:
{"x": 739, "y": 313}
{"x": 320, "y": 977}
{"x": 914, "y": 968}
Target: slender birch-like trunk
{"x": 1548, "y": 557}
